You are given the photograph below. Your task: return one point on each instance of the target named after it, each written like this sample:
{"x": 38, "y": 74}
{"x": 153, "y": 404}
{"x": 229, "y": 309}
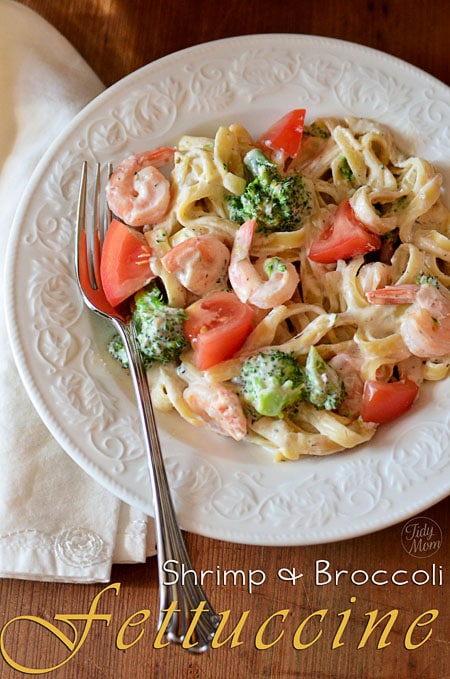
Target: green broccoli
{"x": 272, "y": 381}
{"x": 346, "y": 170}
{"x": 277, "y": 203}
{"x": 326, "y": 390}
{"x": 426, "y": 279}
{"x": 159, "y": 329}
{"x": 117, "y": 350}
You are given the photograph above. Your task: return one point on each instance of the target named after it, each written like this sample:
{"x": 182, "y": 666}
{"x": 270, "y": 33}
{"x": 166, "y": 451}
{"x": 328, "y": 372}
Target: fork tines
{"x": 96, "y": 226}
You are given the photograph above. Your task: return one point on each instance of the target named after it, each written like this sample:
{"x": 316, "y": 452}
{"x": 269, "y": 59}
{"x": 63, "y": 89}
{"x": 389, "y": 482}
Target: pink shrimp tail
{"x": 157, "y": 157}
{"x": 394, "y": 294}
{"x": 245, "y": 234}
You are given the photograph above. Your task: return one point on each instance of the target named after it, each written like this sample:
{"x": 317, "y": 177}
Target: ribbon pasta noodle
{"x": 351, "y": 310}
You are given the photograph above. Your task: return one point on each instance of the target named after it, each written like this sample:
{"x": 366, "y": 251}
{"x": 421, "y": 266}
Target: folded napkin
{"x": 56, "y": 523}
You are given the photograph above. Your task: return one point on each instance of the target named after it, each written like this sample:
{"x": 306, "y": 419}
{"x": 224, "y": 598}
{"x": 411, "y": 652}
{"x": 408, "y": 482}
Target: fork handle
{"x": 193, "y": 621}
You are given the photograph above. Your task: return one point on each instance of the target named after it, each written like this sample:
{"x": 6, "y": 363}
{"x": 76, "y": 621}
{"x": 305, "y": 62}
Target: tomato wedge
{"x": 217, "y": 326}
{"x": 125, "y": 262}
{"x": 286, "y": 134}
{"x": 347, "y": 237}
{"x": 384, "y": 401}
{"x": 96, "y": 297}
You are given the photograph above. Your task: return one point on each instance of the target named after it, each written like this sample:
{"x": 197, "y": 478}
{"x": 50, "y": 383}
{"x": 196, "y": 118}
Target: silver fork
{"x": 181, "y": 593}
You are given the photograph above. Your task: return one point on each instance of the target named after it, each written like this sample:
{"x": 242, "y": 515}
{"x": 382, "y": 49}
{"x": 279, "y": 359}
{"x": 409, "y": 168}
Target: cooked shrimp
{"x": 137, "y": 192}
{"x": 218, "y": 407}
{"x": 267, "y": 283}
{"x": 425, "y": 327}
{"x": 199, "y": 263}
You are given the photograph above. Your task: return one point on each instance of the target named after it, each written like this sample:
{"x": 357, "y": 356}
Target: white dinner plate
{"x": 222, "y": 489}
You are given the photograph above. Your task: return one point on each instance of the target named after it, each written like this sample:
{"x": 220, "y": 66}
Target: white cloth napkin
{"x": 56, "y": 523}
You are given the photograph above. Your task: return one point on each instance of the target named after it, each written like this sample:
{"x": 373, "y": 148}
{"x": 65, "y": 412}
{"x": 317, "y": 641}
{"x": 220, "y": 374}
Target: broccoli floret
{"x": 117, "y": 350}
{"x": 159, "y": 329}
{"x": 425, "y": 279}
{"x": 272, "y": 381}
{"x": 258, "y": 165}
{"x": 326, "y": 390}
{"x": 277, "y": 203}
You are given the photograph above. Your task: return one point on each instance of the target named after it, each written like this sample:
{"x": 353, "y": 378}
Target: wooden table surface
{"x": 116, "y": 37}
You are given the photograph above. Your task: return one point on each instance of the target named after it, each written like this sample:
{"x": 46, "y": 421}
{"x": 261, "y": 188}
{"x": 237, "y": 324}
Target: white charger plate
{"x": 221, "y": 489}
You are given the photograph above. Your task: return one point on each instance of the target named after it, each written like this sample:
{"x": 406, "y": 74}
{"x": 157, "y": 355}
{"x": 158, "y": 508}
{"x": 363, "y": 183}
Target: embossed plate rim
{"x": 220, "y": 490}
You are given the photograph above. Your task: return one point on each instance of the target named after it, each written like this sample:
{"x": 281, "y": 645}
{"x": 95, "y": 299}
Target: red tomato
{"x": 286, "y": 134}
{"x": 384, "y": 401}
{"x": 125, "y": 262}
{"x": 97, "y": 297}
{"x": 217, "y": 327}
{"x": 347, "y": 237}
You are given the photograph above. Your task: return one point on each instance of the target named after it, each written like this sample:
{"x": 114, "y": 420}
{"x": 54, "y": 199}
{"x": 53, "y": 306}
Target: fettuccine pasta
{"x": 358, "y": 271}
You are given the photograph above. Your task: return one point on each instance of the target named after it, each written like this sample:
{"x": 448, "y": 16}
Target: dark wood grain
{"x": 116, "y": 37}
